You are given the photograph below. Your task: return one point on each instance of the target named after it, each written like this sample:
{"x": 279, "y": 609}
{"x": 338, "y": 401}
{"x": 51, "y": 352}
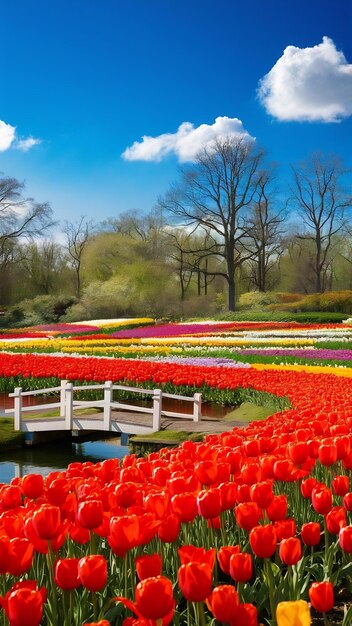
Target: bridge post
{"x": 18, "y": 408}
{"x": 68, "y": 406}
{"x": 63, "y": 384}
{"x": 157, "y": 395}
{"x": 197, "y": 407}
{"x": 107, "y": 404}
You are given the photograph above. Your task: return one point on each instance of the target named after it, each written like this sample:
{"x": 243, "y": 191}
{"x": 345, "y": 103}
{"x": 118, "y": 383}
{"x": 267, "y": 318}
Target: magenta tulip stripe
{"x": 173, "y": 330}
{"x": 203, "y": 361}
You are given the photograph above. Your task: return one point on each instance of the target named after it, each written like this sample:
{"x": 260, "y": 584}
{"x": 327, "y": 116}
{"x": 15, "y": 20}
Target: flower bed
{"x": 246, "y": 527}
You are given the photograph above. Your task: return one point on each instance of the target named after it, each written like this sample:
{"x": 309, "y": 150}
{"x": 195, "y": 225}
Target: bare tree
{"x": 77, "y": 236}
{"x": 20, "y": 218}
{"x": 321, "y": 203}
{"x": 213, "y": 195}
{"x": 186, "y": 251}
{"x": 265, "y": 223}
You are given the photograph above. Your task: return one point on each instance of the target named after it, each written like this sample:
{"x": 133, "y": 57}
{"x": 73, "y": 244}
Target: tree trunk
{"x": 318, "y": 285}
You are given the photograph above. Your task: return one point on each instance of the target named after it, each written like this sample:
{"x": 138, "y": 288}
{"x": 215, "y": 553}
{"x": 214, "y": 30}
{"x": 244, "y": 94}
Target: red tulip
{"x": 21, "y": 556}
{"x": 23, "y": 604}
{"x": 195, "y": 581}
{"x": 340, "y": 485}
{"x": 157, "y": 503}
{"x": 345, "y": 539}
{"x": 243, "y": 494}
{"x": 228, "y": 494}
{"x": 148, "y": 566}
{"x": 5, "y": 554}
{"x": 46, "y": 521}
{"x": 209, "y": 503}
{"x": 347, "y": 461}
{"x": 184, "y": 505}
{"x": 10, "y": 497}
{"x": 223, "y": 472}
{"x": 343, "y": 445}
{"x": 223, "y": 602}
{"x": 177, "y": 485}
{"x": 66, "y": 574}
{"x": 193, "y": 554}
{"x": 277, "y": 510}
{"x": 124, "y": 534}
{"x": 313, "y": 446}
{"x": 206, "y": 472}
{"x": 321, "y": 596}
{"x": 307, "y": 486}
{"x": 79, "y": 534}
{"x": 154, "y": 597}
{"x": 262, "y": 494}
{"x": 40, "y": 545}
{"x": 12, "y": 523}
{"x": 241, "y": 567}
{"x": 347, "y": 501}
{"x": 327, "y": 454}
{"x": 251, "y": 472}
{"x": 335, "y": 519}
{"x": 247, "y": 515}
{"x": 290, "y": 551}
{"x": 246, "y": 615}
{"x": 267, "y": 465}
{"x": 310, "y": 533}
{"x": 148, "y": 527}
{"x": 126, "y": 494}
{"x": 169, "y": 528}
{"x": 252, "y": 447}
{"x": 322, "y": 500}
{"x": 93, "y": 572}
{"x": 32, "y": 485}
{"x": 262, "y": 540}
{"x": 284, "y": 470}
{"x": 224, "y": 555}
{"x": 90, "y": 513}
{"x": 298, "y": 451}
{"x": 285, "y": 528}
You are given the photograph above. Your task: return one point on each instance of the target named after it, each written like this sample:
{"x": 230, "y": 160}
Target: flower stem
{"x": 271, "y": 586}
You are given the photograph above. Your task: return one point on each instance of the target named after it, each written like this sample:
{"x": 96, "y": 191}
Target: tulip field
{"x": 250, "y": 527}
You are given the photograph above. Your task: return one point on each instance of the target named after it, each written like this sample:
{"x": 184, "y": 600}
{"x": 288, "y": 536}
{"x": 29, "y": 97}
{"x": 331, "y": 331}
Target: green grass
{"x": 249, "y": 412}
{"x": 9, "y": 438}
{"x": 167, "y": 437}
{"x": 315, "y": 317}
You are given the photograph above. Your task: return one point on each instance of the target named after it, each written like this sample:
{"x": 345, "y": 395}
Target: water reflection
{"x": 54, "y": 457}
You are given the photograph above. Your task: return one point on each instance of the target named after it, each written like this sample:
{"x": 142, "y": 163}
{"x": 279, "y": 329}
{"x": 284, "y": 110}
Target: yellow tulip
{"x": 294, "y": 613}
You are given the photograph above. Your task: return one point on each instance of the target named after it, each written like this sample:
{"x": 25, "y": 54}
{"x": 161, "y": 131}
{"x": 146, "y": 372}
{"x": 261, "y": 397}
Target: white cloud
{"x": 186, "y": 142}
{"x": 309, "y": 84}
{"x": 7, "y": 135}
{"x": 9, "y": 139}
{"x": 27, "y": 144}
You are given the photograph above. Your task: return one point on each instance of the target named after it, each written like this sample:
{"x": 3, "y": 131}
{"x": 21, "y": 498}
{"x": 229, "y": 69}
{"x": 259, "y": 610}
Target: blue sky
{"x": 86, "y": 79}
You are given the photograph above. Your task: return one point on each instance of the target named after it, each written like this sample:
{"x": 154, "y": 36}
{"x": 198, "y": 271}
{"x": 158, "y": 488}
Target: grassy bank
{"x": 9, "y": 438}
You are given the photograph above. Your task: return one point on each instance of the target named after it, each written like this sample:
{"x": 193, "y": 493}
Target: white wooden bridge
{"x": 110, "y": 415}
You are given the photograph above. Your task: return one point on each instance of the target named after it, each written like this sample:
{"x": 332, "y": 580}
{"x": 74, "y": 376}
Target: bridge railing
{"x": 67, "y": 403}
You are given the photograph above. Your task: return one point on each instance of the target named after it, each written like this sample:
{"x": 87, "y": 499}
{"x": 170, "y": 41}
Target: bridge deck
{"x": 129, "y": 419}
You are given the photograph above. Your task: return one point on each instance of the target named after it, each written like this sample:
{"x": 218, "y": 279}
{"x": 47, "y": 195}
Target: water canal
{"x": 57, "y": 456}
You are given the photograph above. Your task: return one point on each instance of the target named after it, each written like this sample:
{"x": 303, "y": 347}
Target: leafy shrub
{"x": 41, "y": 309}
{"x": 257, "y": 299}
{"x": 334, "y": 301}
